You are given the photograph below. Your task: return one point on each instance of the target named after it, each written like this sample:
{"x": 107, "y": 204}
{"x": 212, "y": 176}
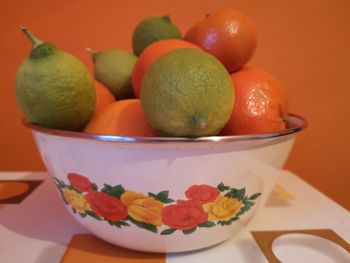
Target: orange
{"x": 229, "y": 35}
{"x": 103, "y": 96}
{"x": 150, "y": 54}
{"x": 122, "y": 118}
{"x": 260, "y": 105}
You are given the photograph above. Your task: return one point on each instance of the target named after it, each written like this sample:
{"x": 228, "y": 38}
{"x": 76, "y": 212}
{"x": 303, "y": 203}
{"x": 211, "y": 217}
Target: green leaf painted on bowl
{"x": 207, "y": 224}
{"x": 118, "y": 224}
{"x": 59, "y": 183}
{"x": 83, "y": 214}
{"x": 236, "y": 193}
{"x": 168, "y": 231}
{"x": 240, "y": 194}
{"x": 122, "y": 223}
{"x": 222, "y": 188}
{"x": 162, "y": 196}
{"x": 146, "y": 226}
{"x": 254, "y": 196}
{"x": 94, "y": 215}
{"x": 231, "y": 193}
{"x": 189, "y": 231}
{"x": 115, "y": 191}
{"x": 94, "y": 187}
{"x": 228, "y": 222}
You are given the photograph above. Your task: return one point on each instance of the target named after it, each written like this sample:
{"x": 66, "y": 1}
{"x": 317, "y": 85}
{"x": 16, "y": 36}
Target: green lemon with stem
{"x": 187, "y": 93}
{"x": 53, "y": 88}
{"x": 113, "y": 68}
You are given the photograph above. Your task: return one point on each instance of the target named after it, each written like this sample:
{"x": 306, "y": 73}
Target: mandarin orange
{"x": 121, "y": 118}
{"x": 103, "y": 96}
{"x": 229, "y": 35}
{"x": 260, "y": 105}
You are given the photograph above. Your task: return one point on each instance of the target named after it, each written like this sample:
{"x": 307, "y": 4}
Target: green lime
{"x": 151, "y": 30}
{"x": 53, "y": 88}
{"x": 187, "y": 92}
{"x": 113, "y": 68}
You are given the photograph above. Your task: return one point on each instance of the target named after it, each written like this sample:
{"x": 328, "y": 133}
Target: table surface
{"x": 40, "y": 229}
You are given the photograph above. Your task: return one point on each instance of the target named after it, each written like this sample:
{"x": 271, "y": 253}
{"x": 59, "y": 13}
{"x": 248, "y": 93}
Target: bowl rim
{"x": 292, "y": 129}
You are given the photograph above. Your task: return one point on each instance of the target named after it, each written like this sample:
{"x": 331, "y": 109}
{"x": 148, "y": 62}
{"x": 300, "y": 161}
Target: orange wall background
{"x": 305, "y": 44}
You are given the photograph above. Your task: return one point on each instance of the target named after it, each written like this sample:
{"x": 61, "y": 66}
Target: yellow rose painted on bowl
{"x": 76, "y": 200}
{"x": 222, "y": 208}
{"x": 143, "y": 208}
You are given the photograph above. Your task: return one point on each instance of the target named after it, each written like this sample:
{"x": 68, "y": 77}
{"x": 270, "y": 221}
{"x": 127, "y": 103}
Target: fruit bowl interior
{"x": 164, "y": 194}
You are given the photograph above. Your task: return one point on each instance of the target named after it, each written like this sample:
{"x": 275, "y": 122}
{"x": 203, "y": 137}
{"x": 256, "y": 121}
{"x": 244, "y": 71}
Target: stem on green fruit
{"x": 166, "y": 18}
{"x": 90, "y": 51}
{"x": 35, "y": 41}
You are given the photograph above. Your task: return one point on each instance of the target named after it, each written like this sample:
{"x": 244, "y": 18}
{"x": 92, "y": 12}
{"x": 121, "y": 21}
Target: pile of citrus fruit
{"x": 194, "y": 85}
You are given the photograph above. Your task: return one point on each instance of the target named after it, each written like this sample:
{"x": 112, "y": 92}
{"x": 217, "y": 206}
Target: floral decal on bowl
{"x": 205, "y": 206}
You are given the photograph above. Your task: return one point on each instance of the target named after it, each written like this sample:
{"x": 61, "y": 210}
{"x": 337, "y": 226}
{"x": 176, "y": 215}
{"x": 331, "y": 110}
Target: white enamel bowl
{"x": 164, "y": 194}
